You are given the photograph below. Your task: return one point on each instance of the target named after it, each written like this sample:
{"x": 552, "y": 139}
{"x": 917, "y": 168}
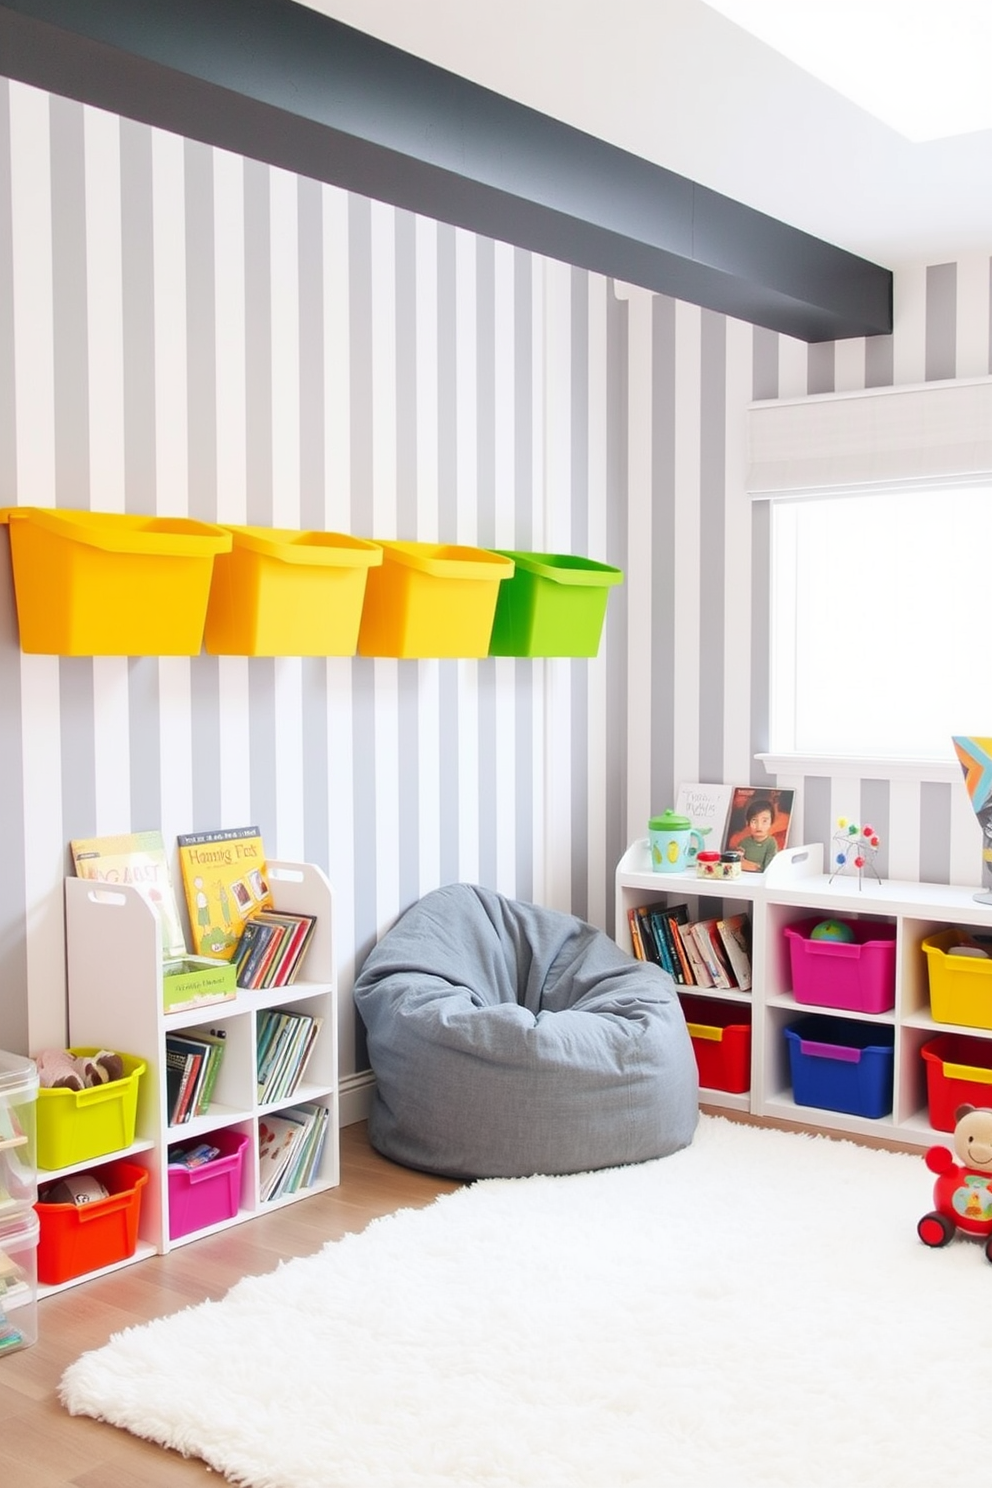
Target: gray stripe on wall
{"x": 879, "y": 364}
{"x": 262, "y": 744}
{"x": 523, "y": 398}
{"x": 661, "y": 676}
{"x": 616, "y": 639}
{"x": 77, "y": 746}
{"x": 712, "y": 540}
{"x": 144, "y": 737}
{"x": 258, "y": 345}
{"x": 578, "y": 542}
{"x": 8, "y": 429}
{"x": 13, "y": 946}
{"x": 935, "y": 841}
{"x": 69, "y": 340}
{"x": 447, "y": 387}
{"x": 760, "y": 689}
{"x": 941, "y": 322}
{"x": 485, "y": 392}
{"x": 316, "y": 784}
{"x": 818, "y": 825}
{"x": 205, "y": 742}
{"x": 406, "y": 833}
{"x": 406, "y": 375}
{"x": 764, "y": 363}
{"x": 875, "y": 812}
{"x": 820, "y": 358}
{"x": 310, "y": 257}
{"x": 138, "y": 310}
{"x": 360, "y": 362}
{"x": 449, "y": 771}
{"x": 201, "y": 337}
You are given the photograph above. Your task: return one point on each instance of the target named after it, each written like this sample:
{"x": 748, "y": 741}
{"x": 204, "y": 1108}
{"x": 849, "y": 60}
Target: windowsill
{"x": 861, "y": 768}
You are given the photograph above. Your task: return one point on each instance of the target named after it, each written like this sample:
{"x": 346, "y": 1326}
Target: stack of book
{"x": 704, "y": 953}
{"x": 285, "y": 1041}
{"x": 271, "y": 948}
{"x": 289, "y": 1149}
{"x": 192, "y": 1061}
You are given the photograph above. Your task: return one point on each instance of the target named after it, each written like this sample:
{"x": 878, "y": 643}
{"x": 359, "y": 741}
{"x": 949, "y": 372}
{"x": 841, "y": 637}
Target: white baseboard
{"x": 356, "y": 1097}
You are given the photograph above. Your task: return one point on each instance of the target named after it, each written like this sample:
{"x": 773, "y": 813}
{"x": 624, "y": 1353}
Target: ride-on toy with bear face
{"x": 962, "y": 1193}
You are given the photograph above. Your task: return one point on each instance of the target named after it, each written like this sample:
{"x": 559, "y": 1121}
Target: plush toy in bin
{"x": 963, "y": 1191}
{"x": 60, "y": 1069}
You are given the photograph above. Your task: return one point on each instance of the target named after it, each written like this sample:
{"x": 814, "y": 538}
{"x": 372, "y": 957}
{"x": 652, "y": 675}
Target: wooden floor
{"x": 41, "y": 1446}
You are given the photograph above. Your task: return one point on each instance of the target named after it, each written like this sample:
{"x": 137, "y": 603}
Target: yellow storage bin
{"x": 279, "y": 592}
{"x": 111, "y": 584}
{"x": 431, "y": 599}
{"x": 960, "y": 986}
{"x": 77, "y": 1125}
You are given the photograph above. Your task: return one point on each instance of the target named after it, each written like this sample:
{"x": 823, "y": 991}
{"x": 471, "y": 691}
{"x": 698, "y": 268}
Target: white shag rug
{"x": 753, "y": 1312}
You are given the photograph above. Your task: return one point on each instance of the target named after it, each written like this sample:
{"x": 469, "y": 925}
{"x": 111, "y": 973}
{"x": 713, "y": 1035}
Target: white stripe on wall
{"x": 105, "y": 343}
{"x": 31, "y": 211}
{"x": 285, "y": 310}
{"x": 169, "y": 260}
{"x": 229, "y": 347}
{"x": 684, "y": 576}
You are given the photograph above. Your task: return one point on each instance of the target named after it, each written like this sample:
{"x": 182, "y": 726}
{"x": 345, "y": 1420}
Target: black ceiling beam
{"x": 279, "y": 82}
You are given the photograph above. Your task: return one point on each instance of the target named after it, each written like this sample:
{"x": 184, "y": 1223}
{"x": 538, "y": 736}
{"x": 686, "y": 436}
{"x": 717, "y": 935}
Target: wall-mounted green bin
{"x": 554, "y": 605}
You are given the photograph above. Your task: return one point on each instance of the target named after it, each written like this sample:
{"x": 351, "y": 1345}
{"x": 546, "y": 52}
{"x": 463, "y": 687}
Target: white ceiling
{"x": 676, "y": 82}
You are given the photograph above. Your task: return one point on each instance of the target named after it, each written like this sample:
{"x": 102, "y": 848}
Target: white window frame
{"x": 875, "y": 439}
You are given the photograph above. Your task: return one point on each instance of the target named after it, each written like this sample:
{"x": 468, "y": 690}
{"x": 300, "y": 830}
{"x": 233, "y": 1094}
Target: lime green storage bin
{"x": 280, "y": 592}
{"x": 554, "y": 605}
{"x": 77, "y": 1125}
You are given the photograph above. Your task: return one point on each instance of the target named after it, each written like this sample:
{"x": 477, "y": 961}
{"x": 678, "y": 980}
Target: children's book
{"x": 736, "y": 941}
{"x": 226, "y": 882}
{"x": 279, "y": 1137}
{"x": 138, "y": 859}
{"x": 707, "y": 807}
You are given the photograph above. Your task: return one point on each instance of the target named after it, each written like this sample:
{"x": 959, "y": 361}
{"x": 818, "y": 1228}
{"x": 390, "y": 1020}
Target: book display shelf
{"x": 116, "y": 1001}
{"x": 913, "y": 1067}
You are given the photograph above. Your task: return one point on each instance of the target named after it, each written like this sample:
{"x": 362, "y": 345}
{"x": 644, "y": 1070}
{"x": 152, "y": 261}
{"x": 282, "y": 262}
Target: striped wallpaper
{"x": 186, "y": 332}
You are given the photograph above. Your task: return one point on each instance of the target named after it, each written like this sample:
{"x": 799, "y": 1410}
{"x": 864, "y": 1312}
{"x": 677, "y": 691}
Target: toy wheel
{"x": 935, "y": 1230}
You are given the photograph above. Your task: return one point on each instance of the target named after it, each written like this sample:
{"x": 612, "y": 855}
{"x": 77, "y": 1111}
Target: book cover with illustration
{"x": 225, "y": 880}
{"x": 138, "y": 859}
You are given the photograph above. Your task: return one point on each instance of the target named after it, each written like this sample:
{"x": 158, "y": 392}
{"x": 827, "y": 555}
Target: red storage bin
{"x": 74, "y": 1239}
{"x": 721, "y": 1042}
{"x": 209, "y": 1194}
{"x": 856, "y": 976}
{"x": 959, "y": 1072}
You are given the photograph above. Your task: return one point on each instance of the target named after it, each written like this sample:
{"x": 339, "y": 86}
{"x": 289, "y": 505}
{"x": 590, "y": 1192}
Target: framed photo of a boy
{"x": 758, "y": 824}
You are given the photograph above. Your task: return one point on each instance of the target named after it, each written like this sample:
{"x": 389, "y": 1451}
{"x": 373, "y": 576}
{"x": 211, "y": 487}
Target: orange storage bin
{"x": 431, "y": 599}
{"x": 75, "y": 1239}
{"x": 280, "y": 592}
{"x": 109, "y": 583}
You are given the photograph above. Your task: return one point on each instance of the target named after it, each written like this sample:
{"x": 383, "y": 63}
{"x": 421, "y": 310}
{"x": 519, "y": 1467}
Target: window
{"x": 880, "y": 621}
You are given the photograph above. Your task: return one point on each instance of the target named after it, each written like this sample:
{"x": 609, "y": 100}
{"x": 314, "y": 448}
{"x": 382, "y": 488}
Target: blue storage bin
{"x": 842, "y": 1065}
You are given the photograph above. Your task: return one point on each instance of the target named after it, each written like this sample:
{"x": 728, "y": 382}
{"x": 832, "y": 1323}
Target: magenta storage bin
{"x": 207, "y": 1195}
{"x": 858, "y": 976}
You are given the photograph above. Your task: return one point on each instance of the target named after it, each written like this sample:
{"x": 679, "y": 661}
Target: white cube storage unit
{"x": 893, "y": 920}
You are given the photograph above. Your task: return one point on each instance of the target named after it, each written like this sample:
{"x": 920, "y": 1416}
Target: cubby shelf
{"x": 114, "y": 961}
{"x": 792, "y": 888}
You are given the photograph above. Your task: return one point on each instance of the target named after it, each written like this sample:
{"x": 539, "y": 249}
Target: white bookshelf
{"x": 114, "y": 976}
{"x": 793, "y": 888}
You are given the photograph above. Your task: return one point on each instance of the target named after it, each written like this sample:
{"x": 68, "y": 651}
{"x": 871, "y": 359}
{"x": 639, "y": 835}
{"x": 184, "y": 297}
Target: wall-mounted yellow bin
{"x": 110, "y": 584}
{"x": 431, "y": 599}
{"x": 554, "y": 605}
{"x": 279, "y": 592}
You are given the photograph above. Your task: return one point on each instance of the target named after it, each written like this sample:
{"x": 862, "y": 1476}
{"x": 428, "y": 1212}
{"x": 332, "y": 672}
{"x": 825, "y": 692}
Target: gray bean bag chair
{"x": 507, "y": 1040}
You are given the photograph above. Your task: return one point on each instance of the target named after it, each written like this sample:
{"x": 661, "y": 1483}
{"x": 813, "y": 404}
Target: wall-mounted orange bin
{"x": 109, "y": 583}
{"x": 280, "y": 592}
{"x": 554, "y": 605}
{"x": 431, "y": 599}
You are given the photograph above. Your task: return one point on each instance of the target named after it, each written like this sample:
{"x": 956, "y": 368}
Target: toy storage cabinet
{"x": 115, "y": 1001}
{"x": 793, "y": 888}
